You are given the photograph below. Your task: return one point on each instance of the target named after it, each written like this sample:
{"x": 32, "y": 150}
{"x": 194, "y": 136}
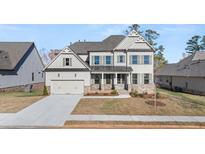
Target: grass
{"x": 130, "y": 124}
{"x": 12, "y": 102}
{"x": 196, "y": 99}
{"x": 175, "y": 104}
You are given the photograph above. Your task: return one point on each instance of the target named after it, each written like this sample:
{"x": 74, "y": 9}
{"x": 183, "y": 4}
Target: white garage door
{"x": 67, "y": 87}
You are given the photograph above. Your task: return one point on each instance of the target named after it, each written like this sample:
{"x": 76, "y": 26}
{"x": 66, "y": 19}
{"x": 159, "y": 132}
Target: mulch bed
{"x": 101, "y": 94}
{"x": 151, "y": 102}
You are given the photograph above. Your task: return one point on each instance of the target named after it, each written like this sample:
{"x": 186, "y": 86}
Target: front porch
{"x": 110, "y": 81}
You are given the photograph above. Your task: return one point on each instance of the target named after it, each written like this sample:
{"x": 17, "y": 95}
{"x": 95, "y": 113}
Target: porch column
{"x": 102, "y": 81}
{"x": 128, "y": 79}
{"x": 115, "y": 79}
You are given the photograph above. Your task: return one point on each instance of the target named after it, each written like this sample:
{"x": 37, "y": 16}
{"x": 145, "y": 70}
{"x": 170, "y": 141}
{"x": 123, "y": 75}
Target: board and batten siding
{"x": 32, "y": 64}
{"x": 58, "y": 63}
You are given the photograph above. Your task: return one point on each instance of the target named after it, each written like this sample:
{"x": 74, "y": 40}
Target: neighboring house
{"x": 118, "y": 62}
{"x": 187, "y": 75}
{"x": 20, "y": 66}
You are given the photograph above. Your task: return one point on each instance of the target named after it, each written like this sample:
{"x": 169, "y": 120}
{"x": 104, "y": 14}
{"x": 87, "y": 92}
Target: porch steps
{"x": 123, "y": 92}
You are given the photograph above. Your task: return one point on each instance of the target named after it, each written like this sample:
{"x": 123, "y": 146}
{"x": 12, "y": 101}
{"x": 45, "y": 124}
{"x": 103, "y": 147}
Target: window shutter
{"x": 130, "y": 59}
{"x": 142, "y": 59}
{"x": 103, "y": 60}
{"x": 70, "y": 61}
{"x": 138, "y": 78}
{"x": 64, "y": 61}
{"x": 100, "y": 58}
{"x": 142, "y": 78}
{"x": 123, "y": 59}
{"x": 118, "y": 59}
{"x": 92, "y": 59}
{"x": 150, "y": 59}
{"x": 138, "y": 59}
{"x": 150, "y": 78}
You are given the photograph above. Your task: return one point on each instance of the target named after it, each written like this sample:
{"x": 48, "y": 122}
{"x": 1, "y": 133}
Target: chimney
{"x": 84, "y": 40}
{"x": 70, "y": 43}
{"x": 78, "y": 40}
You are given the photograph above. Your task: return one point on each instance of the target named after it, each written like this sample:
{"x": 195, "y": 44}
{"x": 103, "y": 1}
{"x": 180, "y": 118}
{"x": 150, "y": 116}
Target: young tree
{"x": 151, "y": 36}
{"x": 194, "y": 44}
{"x": 135, "y": 27}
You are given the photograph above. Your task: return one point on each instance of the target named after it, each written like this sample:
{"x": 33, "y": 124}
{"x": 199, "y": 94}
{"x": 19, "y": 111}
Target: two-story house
{"x": 118, "y": 62}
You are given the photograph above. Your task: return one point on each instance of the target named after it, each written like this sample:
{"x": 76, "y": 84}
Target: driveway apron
{"x": 50, "y": 111}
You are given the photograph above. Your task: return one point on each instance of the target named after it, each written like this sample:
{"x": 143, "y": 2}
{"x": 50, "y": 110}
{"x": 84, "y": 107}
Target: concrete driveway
{"x": 50, "y": 111}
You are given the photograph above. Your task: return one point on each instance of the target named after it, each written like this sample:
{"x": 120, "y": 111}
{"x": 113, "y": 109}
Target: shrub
{"x": 45, "y": 91}
{"x": 134, "y": 94}
{"x": 114, "y": 92}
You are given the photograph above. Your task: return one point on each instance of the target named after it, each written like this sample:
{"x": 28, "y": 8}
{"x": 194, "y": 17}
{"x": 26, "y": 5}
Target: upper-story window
{"x": 120, "y": 59}
{"x": 134, "y": 59}
{"x": 146, "y": 59}
{"x": 67, "y": 61}
{"x": 96, "y": 60}
{"x": 108, "y": 60}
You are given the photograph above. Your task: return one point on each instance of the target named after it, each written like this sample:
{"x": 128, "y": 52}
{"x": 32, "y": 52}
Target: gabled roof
{"x": 134, "y": 41}
{"x": 192, "y": 65}
{"x": 107, "y": 44}
{"x": 12, "y": 53}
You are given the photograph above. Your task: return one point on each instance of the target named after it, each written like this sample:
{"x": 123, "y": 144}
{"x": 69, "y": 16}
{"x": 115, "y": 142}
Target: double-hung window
{"x": 146, "y": 59}
{"x": 134, "y": 78}
{"x": 120, "y": 59}
{"x": 66, "y": 61}
{"x": 108, "y": 60}
{"x": 146, "y": 78}
{"x": 96, "y": 60}
{"x": 134, "y": 59}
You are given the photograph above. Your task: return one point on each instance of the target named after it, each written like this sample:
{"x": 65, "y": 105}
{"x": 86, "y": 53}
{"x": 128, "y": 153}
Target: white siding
{"x": 68, "y": 76}
{"x": 24, "y": 74}
{"x": 83, "y": 57}
{"x": 58, "y": 63}
{"x": 115, "y": 58}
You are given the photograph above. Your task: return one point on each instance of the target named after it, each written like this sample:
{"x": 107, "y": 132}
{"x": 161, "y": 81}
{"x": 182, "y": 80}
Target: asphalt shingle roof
{"x": 11, "y": 53}
{"x": 193, "y": 65}
{"x": 107, "y": 44}
{"x": 111, "y": 69}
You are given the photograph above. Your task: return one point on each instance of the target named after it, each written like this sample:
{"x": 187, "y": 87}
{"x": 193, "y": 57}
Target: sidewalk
{"x": 136, "y": 118}
{"x": 119, "y": 96}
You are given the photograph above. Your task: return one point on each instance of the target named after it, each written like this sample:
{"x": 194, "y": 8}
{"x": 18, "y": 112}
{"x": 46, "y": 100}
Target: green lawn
{"x": 196, "y": 99}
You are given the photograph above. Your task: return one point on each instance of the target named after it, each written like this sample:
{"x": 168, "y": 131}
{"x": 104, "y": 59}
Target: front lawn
{"x": 173, "y": 105}
{"x": 12, "y": 102}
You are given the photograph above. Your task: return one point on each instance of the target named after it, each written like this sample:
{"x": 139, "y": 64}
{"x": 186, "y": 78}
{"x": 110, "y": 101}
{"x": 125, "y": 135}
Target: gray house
{"x": 187, "y": 75}
{"x": 20, "y": 66}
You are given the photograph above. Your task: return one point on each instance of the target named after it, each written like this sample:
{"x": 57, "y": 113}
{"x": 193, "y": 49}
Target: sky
{"x": 172, "y": 37}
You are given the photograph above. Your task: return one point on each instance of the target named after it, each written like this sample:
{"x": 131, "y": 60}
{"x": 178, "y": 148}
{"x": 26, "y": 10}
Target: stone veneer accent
{"x": 149, "y": 88}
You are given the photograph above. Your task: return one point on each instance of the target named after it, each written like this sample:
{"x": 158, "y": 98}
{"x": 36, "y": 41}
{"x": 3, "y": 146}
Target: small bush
{"x": 45, "y": 91}
{"x": 134, "y": 94}
{"x": 114, "y": 92}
